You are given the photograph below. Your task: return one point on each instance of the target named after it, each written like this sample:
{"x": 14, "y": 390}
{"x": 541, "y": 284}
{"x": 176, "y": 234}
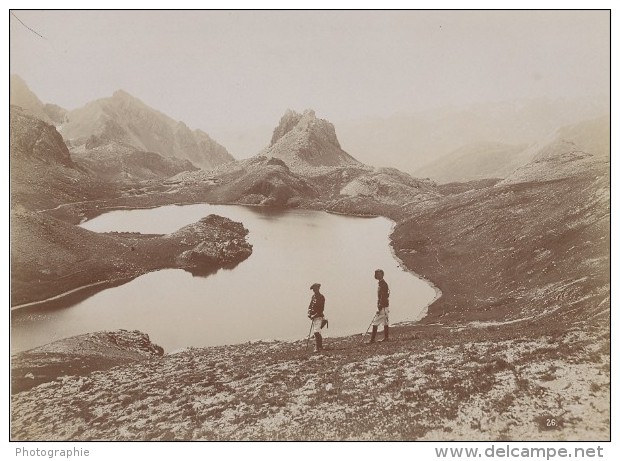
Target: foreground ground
{"x": 516, "y": 348}
{"x": 518, "y": 382}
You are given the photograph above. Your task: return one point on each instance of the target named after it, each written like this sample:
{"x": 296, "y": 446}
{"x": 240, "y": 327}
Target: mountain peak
{"x": 304, "y": 141}
{"x": 122, "y": 95}
{"x": 305, "y": 120}
{"x": 17, "y": 80}
{"x": 288, "y": 121}
{"x": 22, "y": 96}
{"x": 309, "y": 113}
{"x": 125, "y": 119}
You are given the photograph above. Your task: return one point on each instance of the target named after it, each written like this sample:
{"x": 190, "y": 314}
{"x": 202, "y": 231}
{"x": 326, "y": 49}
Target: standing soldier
{"x": 383, "y": 309}
{"x": 315, "y": 312}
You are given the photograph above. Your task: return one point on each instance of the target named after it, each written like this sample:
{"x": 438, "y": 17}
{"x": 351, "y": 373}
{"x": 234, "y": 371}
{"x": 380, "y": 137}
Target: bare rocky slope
{"x": 125, "y": 119}
{"x": 516, "y": 348}
{"x": 546, "y": 240}
{"x": 80, "y": 354}
{"x": 22, "y": 96}
{"x": 118, "y": 163}
{"x": 43, "y": 174}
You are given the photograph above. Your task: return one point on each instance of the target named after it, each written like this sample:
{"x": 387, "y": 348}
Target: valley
{"x": 519, "y": 335}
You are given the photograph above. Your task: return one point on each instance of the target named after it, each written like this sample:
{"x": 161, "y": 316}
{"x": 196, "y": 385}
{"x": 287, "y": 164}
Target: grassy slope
{"x": 518, "y": 251}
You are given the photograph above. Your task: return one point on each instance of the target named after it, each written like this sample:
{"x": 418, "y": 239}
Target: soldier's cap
{"x": 317, "y": 285}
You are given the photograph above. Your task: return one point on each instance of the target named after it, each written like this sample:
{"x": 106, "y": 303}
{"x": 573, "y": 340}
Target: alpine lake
{"x": 264, "y": 297}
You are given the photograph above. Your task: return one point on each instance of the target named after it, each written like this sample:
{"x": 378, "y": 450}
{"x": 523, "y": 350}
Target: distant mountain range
{"x": 123, "y": 121}
{"x": 447, "y": 145}
{"x": 486, "y": 139}
{"x": 572, "y": 150}
{"x": 476, "y": 161}
{"x": 412, "y": 141}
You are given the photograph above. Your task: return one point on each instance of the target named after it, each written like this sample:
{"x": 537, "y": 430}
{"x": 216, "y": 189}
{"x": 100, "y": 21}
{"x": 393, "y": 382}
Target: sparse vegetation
{"x": 516, "y": 348}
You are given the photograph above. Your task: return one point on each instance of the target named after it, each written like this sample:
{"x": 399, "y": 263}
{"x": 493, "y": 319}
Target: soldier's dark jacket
{"x": 317, "y": 305}
{"x": 383, "y": 295}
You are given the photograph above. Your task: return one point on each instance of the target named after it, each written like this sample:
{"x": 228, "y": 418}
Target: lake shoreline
{"x": 96, "y": 276}
{"x": 497, "y": 383}
{"x": 402, "y": 264}
{"x": 117, "y": 258}
{"x": 378, "y": 230}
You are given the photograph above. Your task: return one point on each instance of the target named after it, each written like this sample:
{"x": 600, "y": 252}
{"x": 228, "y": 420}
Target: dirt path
{"x": 62, "y": 295}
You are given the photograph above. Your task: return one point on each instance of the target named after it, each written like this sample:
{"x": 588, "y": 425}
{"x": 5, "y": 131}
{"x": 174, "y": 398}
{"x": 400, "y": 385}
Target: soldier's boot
{"x": 373, "y": 335}
{"x": 319, "y": 342}
{"x": 386, "y": 334}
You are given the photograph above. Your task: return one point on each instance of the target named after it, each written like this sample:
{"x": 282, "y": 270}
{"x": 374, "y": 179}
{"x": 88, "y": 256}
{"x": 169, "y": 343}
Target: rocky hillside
{"x": 80, "y": 354}
{"x": 546, "y": 243}
{"x": 50, "y": 257}
{"x": 429, "y": 383}
{"x": 365, "y": 190}
{"x": 125, "y": 164}
{"x": 265, "y": 181}
{"x": 305, "y": 143}
{"x": 574, "y": 149}
{"x": 125, "y": 119}
{"x": 22, "y": 96}
{"x": 43, "y": 174}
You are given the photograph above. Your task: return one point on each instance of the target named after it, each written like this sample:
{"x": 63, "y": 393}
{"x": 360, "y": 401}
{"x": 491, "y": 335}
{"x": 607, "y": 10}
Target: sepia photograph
{"x": 310, "y": 225}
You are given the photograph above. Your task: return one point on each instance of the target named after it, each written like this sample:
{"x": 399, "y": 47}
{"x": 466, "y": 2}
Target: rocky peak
{"x": 304, "y": 142}
{"x": 319, "y": 127}
{"x": 288, "y": 121}
{"x": 32, "y": 138}
{"x": 122, "y": 95}
{"x": 126, "y": 103}
{"x": 306, "y": 122}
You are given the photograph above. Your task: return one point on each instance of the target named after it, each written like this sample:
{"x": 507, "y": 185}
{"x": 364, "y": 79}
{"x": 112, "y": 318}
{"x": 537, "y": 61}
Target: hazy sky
{"x": 218, "y": 69}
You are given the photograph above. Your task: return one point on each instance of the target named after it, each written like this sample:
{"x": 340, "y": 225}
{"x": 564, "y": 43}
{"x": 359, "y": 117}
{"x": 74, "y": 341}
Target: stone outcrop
{"x": 306, "y": 143}
{"x": 222, "y": 243}
{"x": 80, "y": 356}
{"x": 32, "y": 138}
